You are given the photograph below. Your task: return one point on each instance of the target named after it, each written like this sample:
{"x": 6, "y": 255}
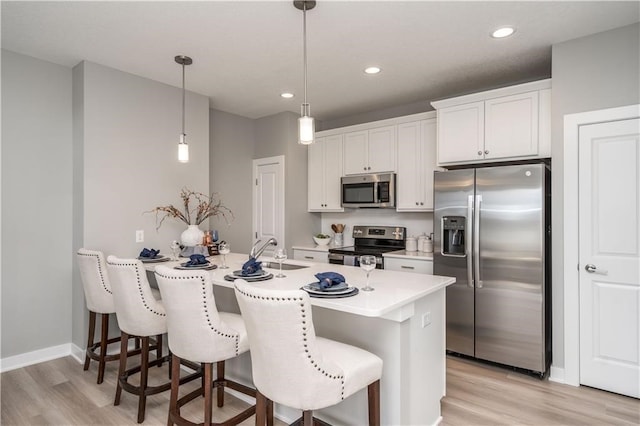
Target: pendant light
{"x": 306, "y": 123}
{"x": 183, "y": 147}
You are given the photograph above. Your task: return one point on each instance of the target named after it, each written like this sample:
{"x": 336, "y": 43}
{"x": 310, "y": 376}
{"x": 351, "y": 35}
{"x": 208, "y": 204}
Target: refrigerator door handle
{"x": 468, "y": 246}
{"x": 476, "y": 241}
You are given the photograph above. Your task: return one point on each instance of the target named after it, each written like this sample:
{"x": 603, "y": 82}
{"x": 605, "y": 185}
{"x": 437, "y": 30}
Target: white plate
{"x": 310, "y": 289}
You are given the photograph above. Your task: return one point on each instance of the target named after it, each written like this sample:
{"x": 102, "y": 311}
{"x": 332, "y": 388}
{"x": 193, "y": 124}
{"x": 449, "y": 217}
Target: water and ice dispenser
{"x": 453, "y": 235}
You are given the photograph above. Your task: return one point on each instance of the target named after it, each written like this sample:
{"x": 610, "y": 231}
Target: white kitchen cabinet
{"x": 504, "y": 124}
{"x": 416, "y": 164}
{"x": 370, "y": 151}
{"x": 324, "y": 173}
{"x": 420, "y": 266}
{"x": 311, "y": 256}
{"x": 461, "y": 133}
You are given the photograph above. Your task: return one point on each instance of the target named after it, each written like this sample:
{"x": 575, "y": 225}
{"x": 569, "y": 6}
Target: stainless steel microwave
{"x": 372, "y": 190}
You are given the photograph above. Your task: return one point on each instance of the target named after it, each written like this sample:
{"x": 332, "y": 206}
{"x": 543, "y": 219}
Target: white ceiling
{"x": 246, "y": 53}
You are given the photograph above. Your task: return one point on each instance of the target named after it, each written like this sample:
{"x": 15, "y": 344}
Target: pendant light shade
{"x": 306, "y": 123}
{"x": 183, "y": 147}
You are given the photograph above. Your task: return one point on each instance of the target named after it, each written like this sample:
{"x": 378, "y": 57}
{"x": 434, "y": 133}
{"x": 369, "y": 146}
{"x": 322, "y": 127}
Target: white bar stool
{"x": 199, "y": 333}
{"x": 99, "y": 300}
{"x": 141, "y": 314}
{"x": 294, "y": 367}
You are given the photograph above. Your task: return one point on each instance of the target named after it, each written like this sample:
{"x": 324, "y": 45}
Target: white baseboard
{"x": 556, "y": 374}
{"x": 77, "y": 353}
{"x": 438, "y": 421}
{"x": 35, "y": 357}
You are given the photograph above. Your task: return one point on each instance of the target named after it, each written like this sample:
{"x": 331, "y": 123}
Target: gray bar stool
{"x": 294, "y": 367}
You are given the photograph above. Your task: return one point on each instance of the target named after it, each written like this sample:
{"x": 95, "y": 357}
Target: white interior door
{"x": 268, "y": 200}
{"x": 609, "y": 224}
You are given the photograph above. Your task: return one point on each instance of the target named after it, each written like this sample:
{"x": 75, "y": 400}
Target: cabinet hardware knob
{"x": 421, "y": 203}
{"x": 486, "y": 151}
{"x": 416, "y": 203}
{"x": 479, "y": 152}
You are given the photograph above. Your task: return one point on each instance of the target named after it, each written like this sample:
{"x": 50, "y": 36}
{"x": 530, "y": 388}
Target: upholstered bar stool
{"x": 140, "y": 313}
{"x": 198, "y": 332}
{"x": 99, "y": 300}
{"x": 294, "y": 367}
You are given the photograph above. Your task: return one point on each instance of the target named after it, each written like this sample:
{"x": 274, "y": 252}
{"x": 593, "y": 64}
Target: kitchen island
{"x": 402, "y": 321}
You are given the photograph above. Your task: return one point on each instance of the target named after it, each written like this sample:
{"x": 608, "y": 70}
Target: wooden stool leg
{"x": 307, "y": 418}
{"x": 208, "y": 393}
{"x": 144, "y": 376}
{"x": 92, "y": 326}
{"x": 104, "y": 337}
{"x": 373, "y": 392}
{"x": 261, "y": 409}
{"x": 175, "y": 387}
{"x": 124, "y": 338}
{"x": 159, "y": 349}
{"x": 269, "y": 412}
{"x": 220, "y": 370}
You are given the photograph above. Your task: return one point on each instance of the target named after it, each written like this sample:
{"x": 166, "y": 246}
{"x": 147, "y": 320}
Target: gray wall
{"x": 128, "y": 131}
{"x": 277, "y": 135}
{"x": 36, "y": 204}
{"x": 232, "y": 143}
{"x": 375, "y": 115}
{"x": 590, "y": 73}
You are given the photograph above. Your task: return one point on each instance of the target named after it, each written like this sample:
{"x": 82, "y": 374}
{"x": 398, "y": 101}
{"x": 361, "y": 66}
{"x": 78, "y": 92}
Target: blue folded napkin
{"x": 196, "y": 259}
{"x": 150, "y": 253}
{"x": 328, "y": 279}
{"x": 251, "y": 266}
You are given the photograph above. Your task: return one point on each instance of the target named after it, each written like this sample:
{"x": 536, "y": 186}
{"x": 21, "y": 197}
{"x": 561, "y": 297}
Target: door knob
{"x": 592, "y": 269}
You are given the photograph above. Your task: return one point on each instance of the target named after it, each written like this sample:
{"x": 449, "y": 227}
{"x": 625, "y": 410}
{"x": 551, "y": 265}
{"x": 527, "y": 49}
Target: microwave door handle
{"x": 376, "y": 192}
{"x": 469, "y": 227}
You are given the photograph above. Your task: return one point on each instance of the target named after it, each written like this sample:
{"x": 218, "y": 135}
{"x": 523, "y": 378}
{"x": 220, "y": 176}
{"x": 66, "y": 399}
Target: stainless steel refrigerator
{"x": 492, "y": 232}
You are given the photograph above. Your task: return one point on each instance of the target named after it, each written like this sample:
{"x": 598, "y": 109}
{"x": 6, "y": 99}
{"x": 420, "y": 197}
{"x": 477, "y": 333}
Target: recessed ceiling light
{"x": 286, "y": 95}
{"x": 372, "y": 70}
{"x": 503, "y": 32}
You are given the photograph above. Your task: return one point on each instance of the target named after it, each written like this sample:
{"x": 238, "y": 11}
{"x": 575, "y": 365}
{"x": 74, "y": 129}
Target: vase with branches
{"x": 206, "y": 206}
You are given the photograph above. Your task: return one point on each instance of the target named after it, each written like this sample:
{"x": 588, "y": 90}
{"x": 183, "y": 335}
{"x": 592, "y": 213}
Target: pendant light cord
{"x": 183, "y": 98}
{"x": 304, "y": 37}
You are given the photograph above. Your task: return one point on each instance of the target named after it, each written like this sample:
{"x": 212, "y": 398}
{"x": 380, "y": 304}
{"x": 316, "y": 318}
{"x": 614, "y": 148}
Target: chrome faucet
{"x": 255, "y": 253}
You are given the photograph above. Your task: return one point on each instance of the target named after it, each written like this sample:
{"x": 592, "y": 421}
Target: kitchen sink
{"x": 285, "y": 266}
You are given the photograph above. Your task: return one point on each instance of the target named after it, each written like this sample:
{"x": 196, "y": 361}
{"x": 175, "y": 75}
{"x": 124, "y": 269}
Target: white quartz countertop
{"x": 394, "y": 291}
{"x": 403, "y": 254}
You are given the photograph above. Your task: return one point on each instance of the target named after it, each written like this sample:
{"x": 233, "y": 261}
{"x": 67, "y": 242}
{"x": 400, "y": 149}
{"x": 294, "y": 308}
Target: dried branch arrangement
{"x": 207, "y": 206}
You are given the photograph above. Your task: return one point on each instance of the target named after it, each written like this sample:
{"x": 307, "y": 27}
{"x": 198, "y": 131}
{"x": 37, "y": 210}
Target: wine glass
{"x": 280, "y": 255}
{"x": 368, "y": 264}
{"x": 175, "y": 250}
{"x": 224, "y": 250}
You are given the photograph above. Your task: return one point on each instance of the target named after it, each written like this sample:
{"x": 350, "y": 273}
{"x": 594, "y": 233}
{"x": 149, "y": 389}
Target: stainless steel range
{"x": 373, "y": 240}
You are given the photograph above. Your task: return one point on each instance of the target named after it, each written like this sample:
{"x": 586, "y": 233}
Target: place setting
{"x": 330, "y": 285}
{"x": 152, "y": 256}
{"x": 251, "y": 271}
{"x": 198, "y": 262}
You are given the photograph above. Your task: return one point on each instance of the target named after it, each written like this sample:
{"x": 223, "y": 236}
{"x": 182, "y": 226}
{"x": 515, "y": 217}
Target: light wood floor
{"x": 59, "y": 392}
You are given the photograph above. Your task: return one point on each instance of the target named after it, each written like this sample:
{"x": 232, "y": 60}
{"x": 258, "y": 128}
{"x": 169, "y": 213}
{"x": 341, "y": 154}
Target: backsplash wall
{"x": 416, "y": 223}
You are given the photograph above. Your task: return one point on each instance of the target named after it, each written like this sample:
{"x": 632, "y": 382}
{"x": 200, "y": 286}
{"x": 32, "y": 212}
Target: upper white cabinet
{"x": 324, "y": 173}
{"x": 370, "y": 151}
{"x": 504, "y": 124}
{"x": 416, "y": 164}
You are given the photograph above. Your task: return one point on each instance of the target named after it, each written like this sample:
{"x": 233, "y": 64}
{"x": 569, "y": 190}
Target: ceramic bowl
{"x": 321, "y": 241}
